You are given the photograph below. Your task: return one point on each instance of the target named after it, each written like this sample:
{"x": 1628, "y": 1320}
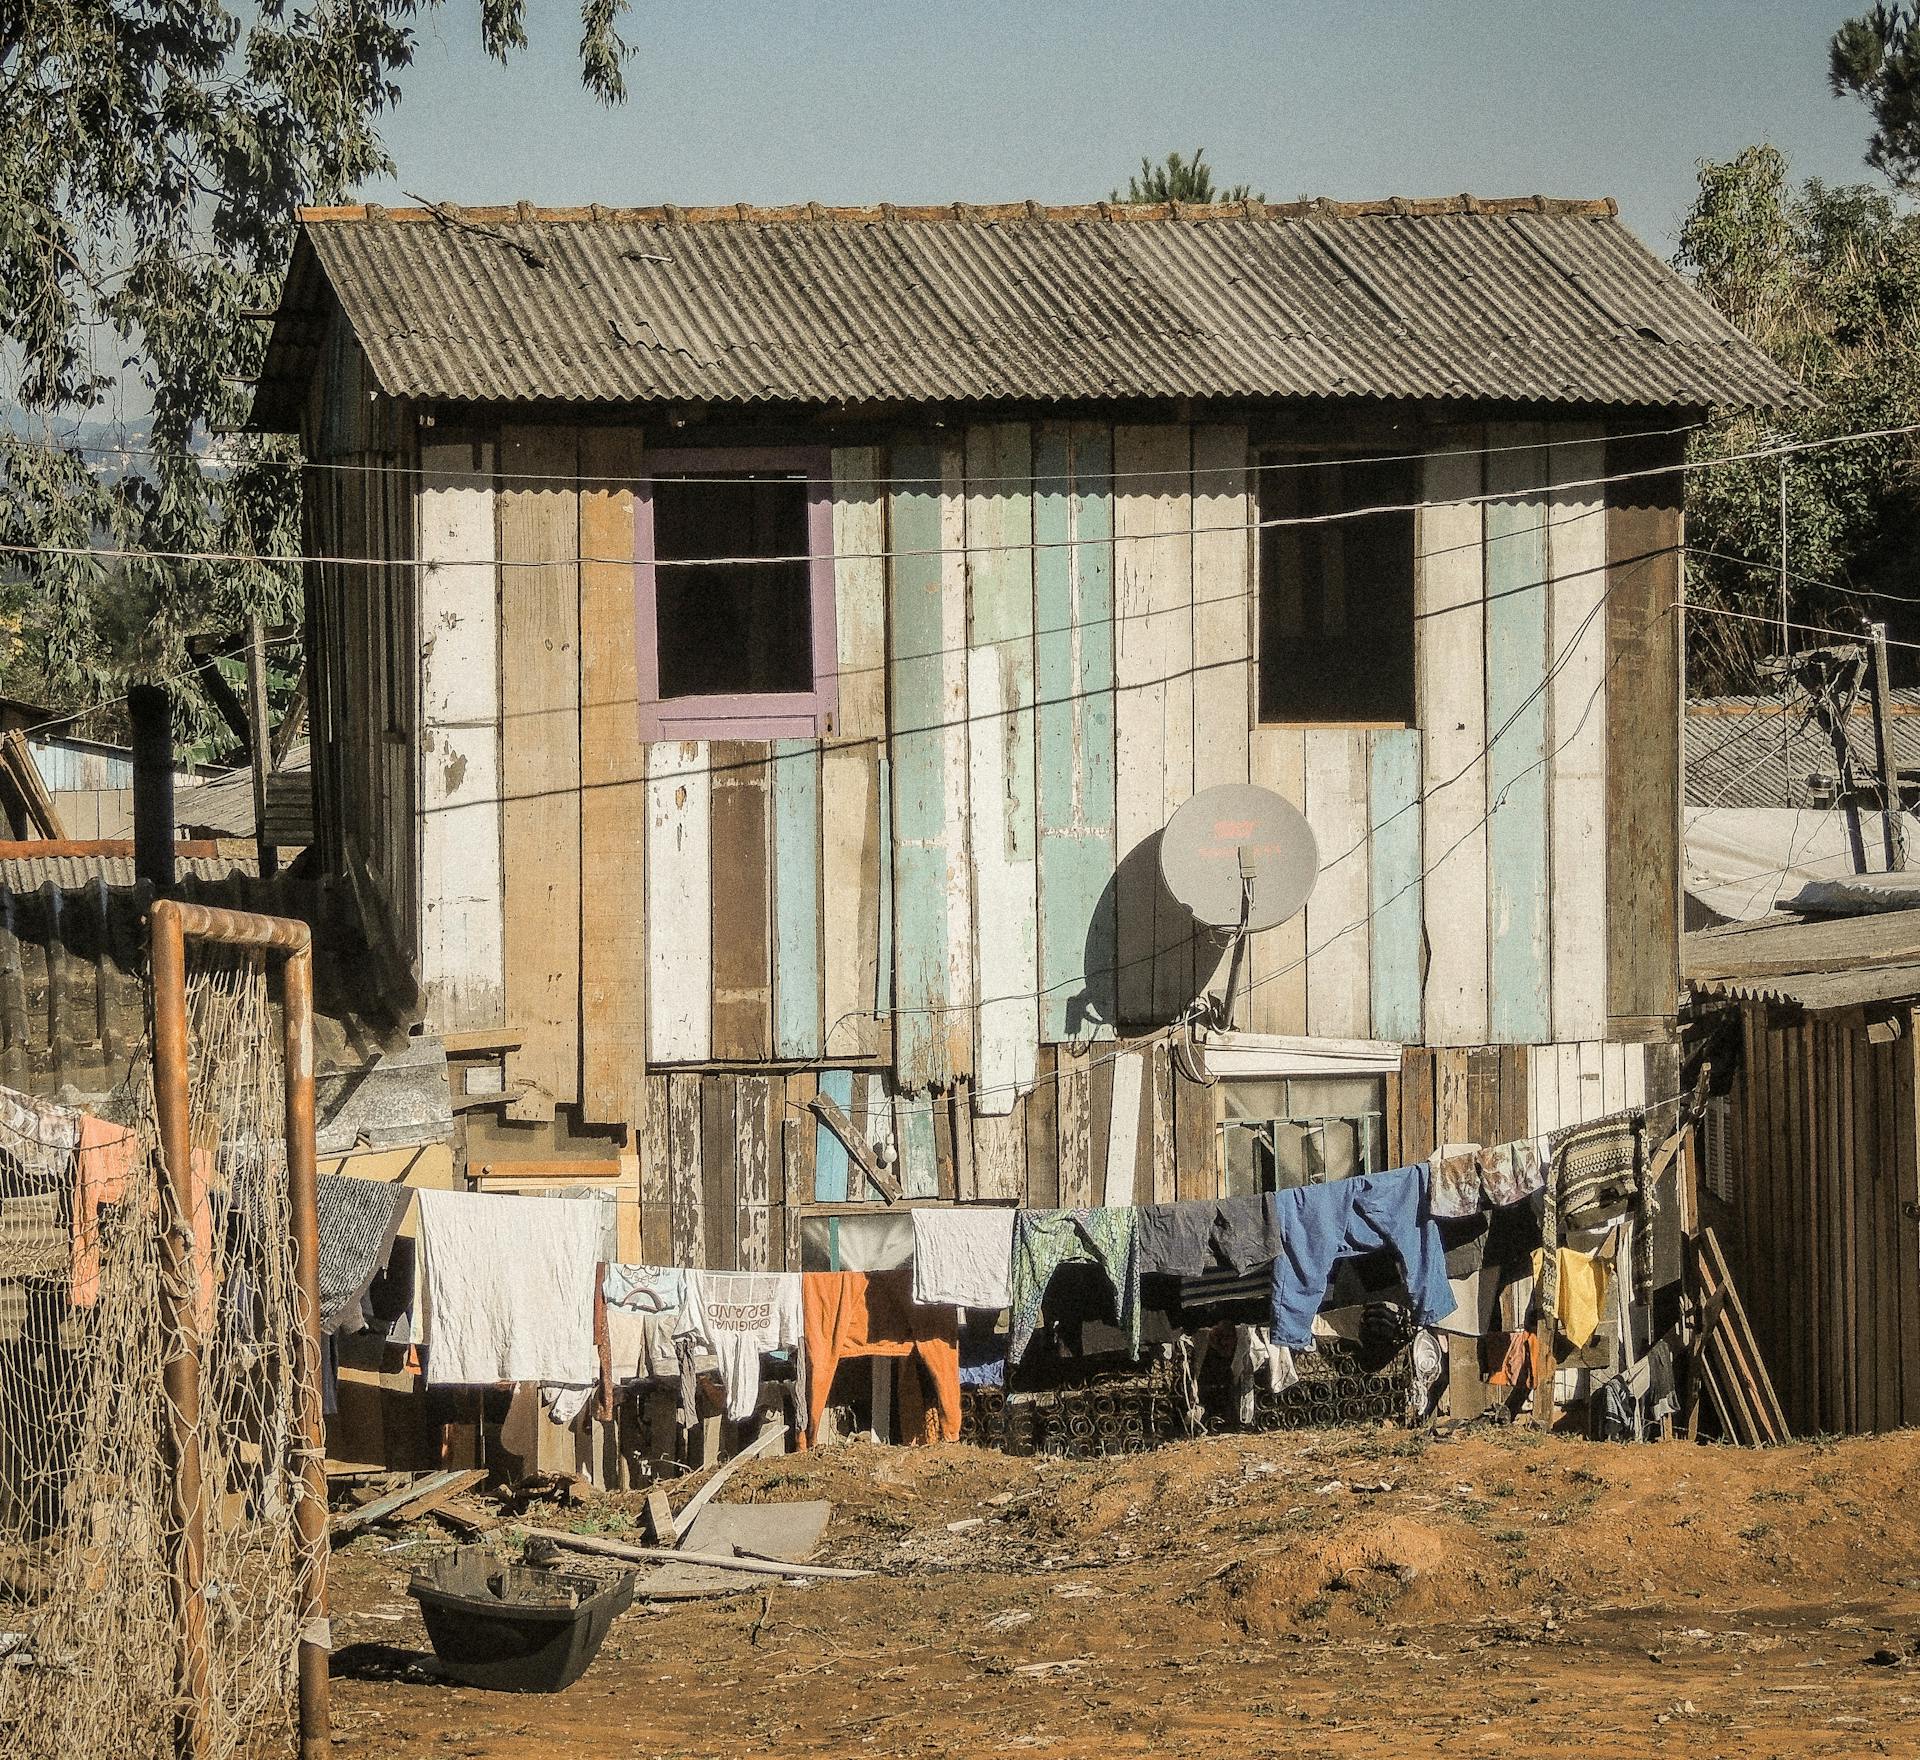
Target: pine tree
{"x": 1181, "y": 180}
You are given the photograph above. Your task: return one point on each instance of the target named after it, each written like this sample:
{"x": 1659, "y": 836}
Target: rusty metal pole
{"x": 310, "y": 1512}
{"x": 179, "y": 1290}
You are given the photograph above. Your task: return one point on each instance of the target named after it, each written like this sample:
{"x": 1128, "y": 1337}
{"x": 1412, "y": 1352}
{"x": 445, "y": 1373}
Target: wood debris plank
{"x": 593, "y": 1544}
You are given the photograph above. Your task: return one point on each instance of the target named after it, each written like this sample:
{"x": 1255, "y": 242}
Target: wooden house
{"x": 1810, "y": 1171}
{"x": 754, "y": 653}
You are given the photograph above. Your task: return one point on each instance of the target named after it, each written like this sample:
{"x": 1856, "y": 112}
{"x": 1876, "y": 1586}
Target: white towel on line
{"x": 962, "y": 1258}
{"x": 507, "y": 1288}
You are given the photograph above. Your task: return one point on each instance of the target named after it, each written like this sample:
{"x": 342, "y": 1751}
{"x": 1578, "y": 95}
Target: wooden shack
{"x": 1810, "y": 1171}
{"x": 754, "y": 653}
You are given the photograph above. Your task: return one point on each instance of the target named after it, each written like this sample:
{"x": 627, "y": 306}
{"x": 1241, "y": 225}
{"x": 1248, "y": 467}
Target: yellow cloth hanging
{"x": 1582, "y": 1293}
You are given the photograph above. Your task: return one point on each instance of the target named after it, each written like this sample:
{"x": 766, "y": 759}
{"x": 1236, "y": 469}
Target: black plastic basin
{"x": 515, "y": 1628}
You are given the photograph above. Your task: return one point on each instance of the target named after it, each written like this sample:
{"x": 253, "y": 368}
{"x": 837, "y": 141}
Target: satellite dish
{"x": 1236, "y": 833}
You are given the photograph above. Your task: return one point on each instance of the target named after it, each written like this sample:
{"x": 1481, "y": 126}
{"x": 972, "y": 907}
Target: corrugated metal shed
{"x": 1818, "y": 963}
{"x": 1763, "y": 752}
{"x": 1524, "y": 300}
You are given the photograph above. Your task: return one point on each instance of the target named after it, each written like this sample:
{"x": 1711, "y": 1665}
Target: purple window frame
{"x": 748, "y": 715}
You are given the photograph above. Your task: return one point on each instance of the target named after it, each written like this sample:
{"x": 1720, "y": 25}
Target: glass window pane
{"x": 1294, "y": 1156}
{"x": 1335, "y": 1096}
{"x": 732, "y": 630}
{"x": 1243, "y": 1177}
{"x": 1261, "y": 1099}
{"x": 1342, "y": 1148}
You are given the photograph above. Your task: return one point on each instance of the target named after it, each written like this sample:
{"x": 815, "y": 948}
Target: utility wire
{"x": 895, "y": 480}
{"x": 895, "y": 554}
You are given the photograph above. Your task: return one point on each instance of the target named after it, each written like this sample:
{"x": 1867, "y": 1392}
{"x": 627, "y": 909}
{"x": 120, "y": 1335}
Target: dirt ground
{"x": 1328, "y": 1593}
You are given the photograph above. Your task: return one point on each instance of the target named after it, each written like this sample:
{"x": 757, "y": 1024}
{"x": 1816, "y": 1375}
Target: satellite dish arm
{"x": 1237, "y": 964}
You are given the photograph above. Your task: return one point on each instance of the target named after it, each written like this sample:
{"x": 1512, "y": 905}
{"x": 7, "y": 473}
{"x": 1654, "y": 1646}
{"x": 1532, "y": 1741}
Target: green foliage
{"x": 1181, "y": 180}
{"x": 1876, "y": 58}
{"x": 1827, "y": 281}
{"x": 153, "y": 158}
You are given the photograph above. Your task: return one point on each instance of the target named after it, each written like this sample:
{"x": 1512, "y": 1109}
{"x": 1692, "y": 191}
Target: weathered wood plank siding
{"x": 462, "y": 964}
{"x": 796, "y": 908}
{"x": 1000, "y": 733}
{"x": 539, "y": 513}
{"x": 1519, "y": 1000}
{"x": 679, "y": 891}
{"x": 931, "y": 892}
{"x": 1644, "y": 536}
{"x": 1825, "y": 1252}
{"x": 1153, "y": 665}
{"x": 1450, "y": 624}
{"x": 1218, "y": 510}
{"x": 1074, "y": 771}
{"x": 1577, "y": 731}
{"x": 1338, "y": 929}
{"x": 1394, "y": 882}
{"x": 613, "y": 794}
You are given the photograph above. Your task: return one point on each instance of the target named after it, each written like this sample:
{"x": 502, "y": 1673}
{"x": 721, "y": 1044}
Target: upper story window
{"x": 732, "y": 646}
{"x": 1336, "y": 594}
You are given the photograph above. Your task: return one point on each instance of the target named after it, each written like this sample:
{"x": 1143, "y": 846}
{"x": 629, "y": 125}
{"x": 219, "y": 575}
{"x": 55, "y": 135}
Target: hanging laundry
{"x": 1582, "y": 1294}
{"x": 1599, "y": 1165}
{"x": 737, "y": 1315}
{"x": 507, "y": 1288}
{"x": 105, "y": 1159}
{"x": 1257, "y": 1362}
{"x": 873, "y": 1314}
{"x": 961, "y": 1257}
{"x": 1510, "y": 1172}
{"x": 1044, "y": 1240}
{"x": 1199, "y": 1236}
{"x": 1510, "y": 1365}
{"x": 636, "y": 1312}
{"x": 1176, "y": 1240}
{"x": 358, "y": 1219}
{"x": 1453, "y": 1182}
{"x": 1321, "y": 1225}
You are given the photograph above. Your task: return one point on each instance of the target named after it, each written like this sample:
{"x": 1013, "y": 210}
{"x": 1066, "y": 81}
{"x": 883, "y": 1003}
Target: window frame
{"x": 746, "y": 714}
{"x": 1292, "y": 454}
{"x": 1370, "y": 1125}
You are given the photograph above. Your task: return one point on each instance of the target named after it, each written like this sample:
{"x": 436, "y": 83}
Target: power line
{"x": 1805, "y": 580}
{"x": 1193, "y": 941}
{"x": 894, "y": 480}
{"x": 1030, "y": 546}
{"x": 1816, "y": 629}
{"x": 67, "y": 716}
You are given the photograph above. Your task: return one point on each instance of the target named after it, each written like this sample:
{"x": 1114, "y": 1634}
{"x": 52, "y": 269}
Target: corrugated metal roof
{"x": 1819, "y": 963}
{"x": 1763, "y": 752}
{"x": 1524, "y": 300}
{"x": 71, "y": 873}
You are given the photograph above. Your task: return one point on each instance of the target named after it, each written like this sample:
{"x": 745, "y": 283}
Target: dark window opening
{"x": 1336, "y": 598}
{"x": 732, "y": 630}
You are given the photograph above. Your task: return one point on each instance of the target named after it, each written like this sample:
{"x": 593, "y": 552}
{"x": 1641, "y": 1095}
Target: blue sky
{"x": 985, "y": 100}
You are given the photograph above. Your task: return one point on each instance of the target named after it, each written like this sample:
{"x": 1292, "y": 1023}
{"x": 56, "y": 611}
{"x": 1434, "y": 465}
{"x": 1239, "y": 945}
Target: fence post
{"x": 310, "y": 1511}
{"x": 179, "y": 1291}
{"x": 172, "y": 924}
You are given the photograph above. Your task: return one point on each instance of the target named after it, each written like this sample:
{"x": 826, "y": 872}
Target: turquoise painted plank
{"x": 796, "y": 899}
{"x": 831, "y": 1164}
{"x": 1520, "y": 1006}
{"x": 919, "y": 912}
{"x": 1073, "y": 673}
{"x": 1394, "y": 945}
{"x": 919, "y": 1161}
